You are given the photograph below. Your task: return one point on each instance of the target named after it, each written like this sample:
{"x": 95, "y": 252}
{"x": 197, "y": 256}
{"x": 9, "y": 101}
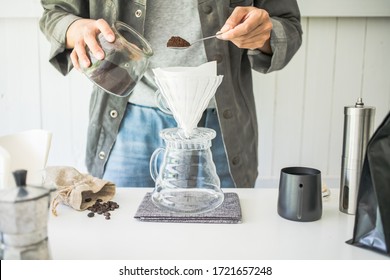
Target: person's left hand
{"x": 248, "y": 28}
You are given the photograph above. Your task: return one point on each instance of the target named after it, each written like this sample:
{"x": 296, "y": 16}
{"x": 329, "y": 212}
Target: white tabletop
{"x": 263, "y": 234}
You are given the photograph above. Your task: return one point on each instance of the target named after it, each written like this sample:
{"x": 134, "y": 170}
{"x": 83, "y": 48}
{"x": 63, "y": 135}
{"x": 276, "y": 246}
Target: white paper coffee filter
{"x": 188, "y": 91}
{"x": 192, "y": 98}
{"x": 206, "y": 69}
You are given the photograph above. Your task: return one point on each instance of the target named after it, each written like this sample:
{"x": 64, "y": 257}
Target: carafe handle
{"x": 153, "y": 169}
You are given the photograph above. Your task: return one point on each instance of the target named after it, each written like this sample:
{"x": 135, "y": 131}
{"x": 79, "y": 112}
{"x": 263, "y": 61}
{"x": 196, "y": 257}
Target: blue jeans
{"x": 138, "y": 138}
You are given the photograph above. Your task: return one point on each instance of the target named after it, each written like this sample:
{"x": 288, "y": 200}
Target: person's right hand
{"x": 82, "y": 33}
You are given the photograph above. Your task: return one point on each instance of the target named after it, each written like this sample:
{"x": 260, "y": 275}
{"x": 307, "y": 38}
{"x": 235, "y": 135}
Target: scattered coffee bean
{"x": 102, "y": 208}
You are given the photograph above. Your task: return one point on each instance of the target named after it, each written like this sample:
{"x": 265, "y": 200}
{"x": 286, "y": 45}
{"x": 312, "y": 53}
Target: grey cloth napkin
{"x": 229, "y": 212}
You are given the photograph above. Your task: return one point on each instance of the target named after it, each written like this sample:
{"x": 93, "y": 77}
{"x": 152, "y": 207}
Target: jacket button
{"x": 138, "y": 13}
{"x": 227, "y": 114}
{"x": 207, "y": 9}
{"x": 102, "y": 155}
{"x": 113, "y": 114}
{"x": 236, "y": 160}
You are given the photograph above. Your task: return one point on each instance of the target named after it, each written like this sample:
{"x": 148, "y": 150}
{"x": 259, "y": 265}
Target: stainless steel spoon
{"x": 197, "y": 41}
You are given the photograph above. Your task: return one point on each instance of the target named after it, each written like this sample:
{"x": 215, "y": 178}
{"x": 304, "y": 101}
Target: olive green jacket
{"x": 234, "y": 99}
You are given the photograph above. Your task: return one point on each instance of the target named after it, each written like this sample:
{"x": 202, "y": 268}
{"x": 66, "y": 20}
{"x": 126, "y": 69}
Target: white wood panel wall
{"x": 300, "y": 108}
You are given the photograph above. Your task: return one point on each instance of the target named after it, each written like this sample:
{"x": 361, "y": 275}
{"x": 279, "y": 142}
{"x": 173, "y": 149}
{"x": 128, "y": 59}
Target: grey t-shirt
{"x": 165, "y": 19}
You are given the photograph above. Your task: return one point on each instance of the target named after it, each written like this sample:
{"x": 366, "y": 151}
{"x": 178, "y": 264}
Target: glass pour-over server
{"x": 185, "y": 175}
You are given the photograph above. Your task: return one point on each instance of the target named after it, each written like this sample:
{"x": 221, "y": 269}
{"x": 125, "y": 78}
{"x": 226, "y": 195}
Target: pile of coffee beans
{"x": 101, "y": 208}
{"x": 176, "y": 41}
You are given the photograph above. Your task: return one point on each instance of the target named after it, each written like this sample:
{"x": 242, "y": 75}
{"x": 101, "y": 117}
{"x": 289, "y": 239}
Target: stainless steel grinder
{"x": 358, "y": 127}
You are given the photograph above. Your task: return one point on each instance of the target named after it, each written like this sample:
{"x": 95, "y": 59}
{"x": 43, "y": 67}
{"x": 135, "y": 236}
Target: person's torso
{"x": 164, "y": 19}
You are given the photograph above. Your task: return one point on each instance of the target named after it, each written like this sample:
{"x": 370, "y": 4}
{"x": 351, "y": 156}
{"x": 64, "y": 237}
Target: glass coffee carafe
{"x": 186, "y": 177}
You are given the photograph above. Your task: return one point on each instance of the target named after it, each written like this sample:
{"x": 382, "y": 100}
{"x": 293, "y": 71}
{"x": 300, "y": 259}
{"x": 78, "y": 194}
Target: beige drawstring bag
{"x": 75, "y": 189}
